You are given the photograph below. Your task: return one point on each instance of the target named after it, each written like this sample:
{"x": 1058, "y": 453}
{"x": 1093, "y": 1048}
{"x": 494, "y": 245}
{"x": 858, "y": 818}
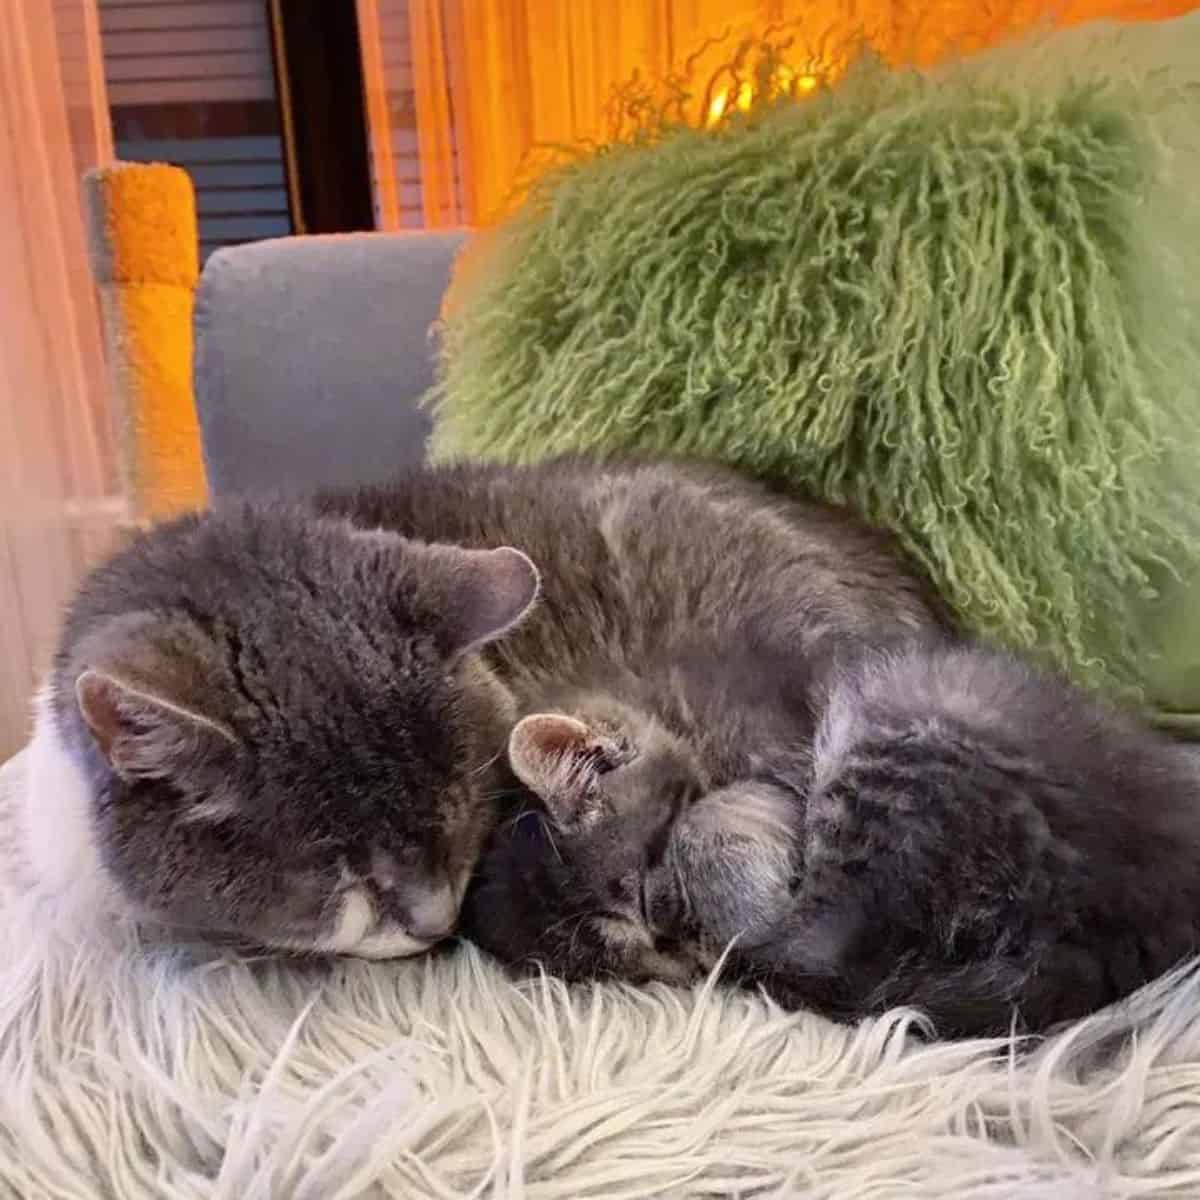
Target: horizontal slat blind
{"x": 396, "y": 54}
{"x": 189, "y": 82}
{"x": 121, "y": 17}
{"x": 160, "y": 51}
{"x": 240, "y": 190}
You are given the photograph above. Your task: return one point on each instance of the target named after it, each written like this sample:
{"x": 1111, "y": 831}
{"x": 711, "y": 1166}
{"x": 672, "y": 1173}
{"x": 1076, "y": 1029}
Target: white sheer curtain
{"x": 58, "y": 493}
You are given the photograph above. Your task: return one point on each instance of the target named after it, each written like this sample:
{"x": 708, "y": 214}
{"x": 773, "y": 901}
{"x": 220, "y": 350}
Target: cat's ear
{"x": 482, "y": 593}
{"x": 472, "y": 596}
{"x": 558, "y": 758}
{"x": 143, "y": 734}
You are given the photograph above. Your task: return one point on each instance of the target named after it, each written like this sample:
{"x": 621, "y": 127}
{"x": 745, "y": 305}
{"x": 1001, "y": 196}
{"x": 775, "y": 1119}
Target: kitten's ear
{"x": 557, "y": 757}
{"x": 484, "y": 593}
{"x": 144, "y": 735}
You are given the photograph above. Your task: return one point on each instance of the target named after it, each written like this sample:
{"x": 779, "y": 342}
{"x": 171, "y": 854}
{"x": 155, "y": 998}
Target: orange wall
{"x": 524, "y": 74}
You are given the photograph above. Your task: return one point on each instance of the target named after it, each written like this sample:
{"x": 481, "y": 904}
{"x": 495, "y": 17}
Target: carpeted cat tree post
{"x": 145, "y": 259}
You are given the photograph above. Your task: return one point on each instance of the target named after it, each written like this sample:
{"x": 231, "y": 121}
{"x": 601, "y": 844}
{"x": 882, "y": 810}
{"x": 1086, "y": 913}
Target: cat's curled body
{"x": 967, "y": 836}
{"x": 280, "y": 722}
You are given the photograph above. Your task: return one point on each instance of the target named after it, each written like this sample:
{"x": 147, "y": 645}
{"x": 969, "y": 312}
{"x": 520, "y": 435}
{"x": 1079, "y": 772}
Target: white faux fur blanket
{"x": 130, "y": 1072}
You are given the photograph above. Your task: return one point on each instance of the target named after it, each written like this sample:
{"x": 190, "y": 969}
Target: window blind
{"x": 191, "y": 82}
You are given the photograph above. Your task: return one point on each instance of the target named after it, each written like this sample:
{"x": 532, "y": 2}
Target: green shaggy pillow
{"x": 965, "y": 305}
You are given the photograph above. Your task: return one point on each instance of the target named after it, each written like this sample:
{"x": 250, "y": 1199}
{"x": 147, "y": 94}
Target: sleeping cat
{"x": 279, "y": 723}
{"x": 269, "y": 726}
{"x": 966, "y": 836}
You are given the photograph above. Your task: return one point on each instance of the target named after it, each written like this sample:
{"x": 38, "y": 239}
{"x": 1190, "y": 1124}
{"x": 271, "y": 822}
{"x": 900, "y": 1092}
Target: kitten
{"x": 279, "y": 722}
{"x": 967, "y": 836}
{"x": 571, "y": 877}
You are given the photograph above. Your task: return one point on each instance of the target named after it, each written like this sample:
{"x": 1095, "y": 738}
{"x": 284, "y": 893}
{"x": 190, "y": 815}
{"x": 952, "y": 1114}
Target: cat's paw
{"x": 678, "y": 969}
{"x": 735, "y": 851}
{"x": 633, "y": 955}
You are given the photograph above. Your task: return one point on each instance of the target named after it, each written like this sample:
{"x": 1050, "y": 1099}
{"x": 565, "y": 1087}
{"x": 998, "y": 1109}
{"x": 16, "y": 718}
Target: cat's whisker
{"x": 491, "y": 762}
{"x": 575, "y": 932}
{"x": 552, "y": 843}
{"x": 576, "y": 917}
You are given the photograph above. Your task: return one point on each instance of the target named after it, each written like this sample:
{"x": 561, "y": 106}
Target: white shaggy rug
{"x": 131, "y": 1072}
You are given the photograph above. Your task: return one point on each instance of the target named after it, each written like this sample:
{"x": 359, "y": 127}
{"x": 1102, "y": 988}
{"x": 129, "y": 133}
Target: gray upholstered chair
{"x": 311, "y": 356}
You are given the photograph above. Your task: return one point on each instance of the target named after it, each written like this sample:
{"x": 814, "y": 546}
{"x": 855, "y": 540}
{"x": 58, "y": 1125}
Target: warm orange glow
{"x": 792, "y": 84}
{"x": 742, "y": 97}
{"x": 784, "y": 81}
{"x": 504, "y": 85}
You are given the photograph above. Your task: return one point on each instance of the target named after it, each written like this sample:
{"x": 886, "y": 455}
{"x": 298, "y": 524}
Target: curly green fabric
{"x": 945, "y": 303}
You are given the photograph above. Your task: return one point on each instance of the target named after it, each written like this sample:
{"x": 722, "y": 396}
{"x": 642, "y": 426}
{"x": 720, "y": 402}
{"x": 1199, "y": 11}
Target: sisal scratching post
{"x": 145, "y": 257}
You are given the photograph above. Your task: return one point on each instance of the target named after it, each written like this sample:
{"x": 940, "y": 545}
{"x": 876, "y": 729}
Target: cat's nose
{"x": 433, "y": 916}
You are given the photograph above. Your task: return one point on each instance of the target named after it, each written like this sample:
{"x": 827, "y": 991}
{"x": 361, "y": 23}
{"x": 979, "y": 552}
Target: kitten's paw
{"x": 678, "y": 969}
{"x": 632, "y": 955}
{"x": 735, "y": 851}
{"x": 752, "y": 811}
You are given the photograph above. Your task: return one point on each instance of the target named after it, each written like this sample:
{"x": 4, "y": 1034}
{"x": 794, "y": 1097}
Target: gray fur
{"x": 719, "y": 603}
{"x": 987, "y": 843}
{"x": 281, "y": 725}
{"x": 969, "y": 836}
{"x": 564, "y": 882}
{"x": 290, "y": 715}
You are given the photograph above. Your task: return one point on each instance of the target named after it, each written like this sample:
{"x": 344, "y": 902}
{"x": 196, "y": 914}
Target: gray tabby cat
{"x": 967, "y": 836}
{"x": 281, "y": 723}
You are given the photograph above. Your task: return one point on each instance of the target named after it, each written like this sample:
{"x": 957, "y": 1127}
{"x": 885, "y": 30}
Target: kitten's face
{"x": 632, "y": 868}
{"x": 585, "y": 885}
{"x": 297, "y": 755}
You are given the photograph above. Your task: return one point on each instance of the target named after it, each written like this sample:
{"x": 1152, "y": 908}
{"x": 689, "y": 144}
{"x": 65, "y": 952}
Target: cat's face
{"x": 583, "y": 883}
{"x": 297, "y": 753}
